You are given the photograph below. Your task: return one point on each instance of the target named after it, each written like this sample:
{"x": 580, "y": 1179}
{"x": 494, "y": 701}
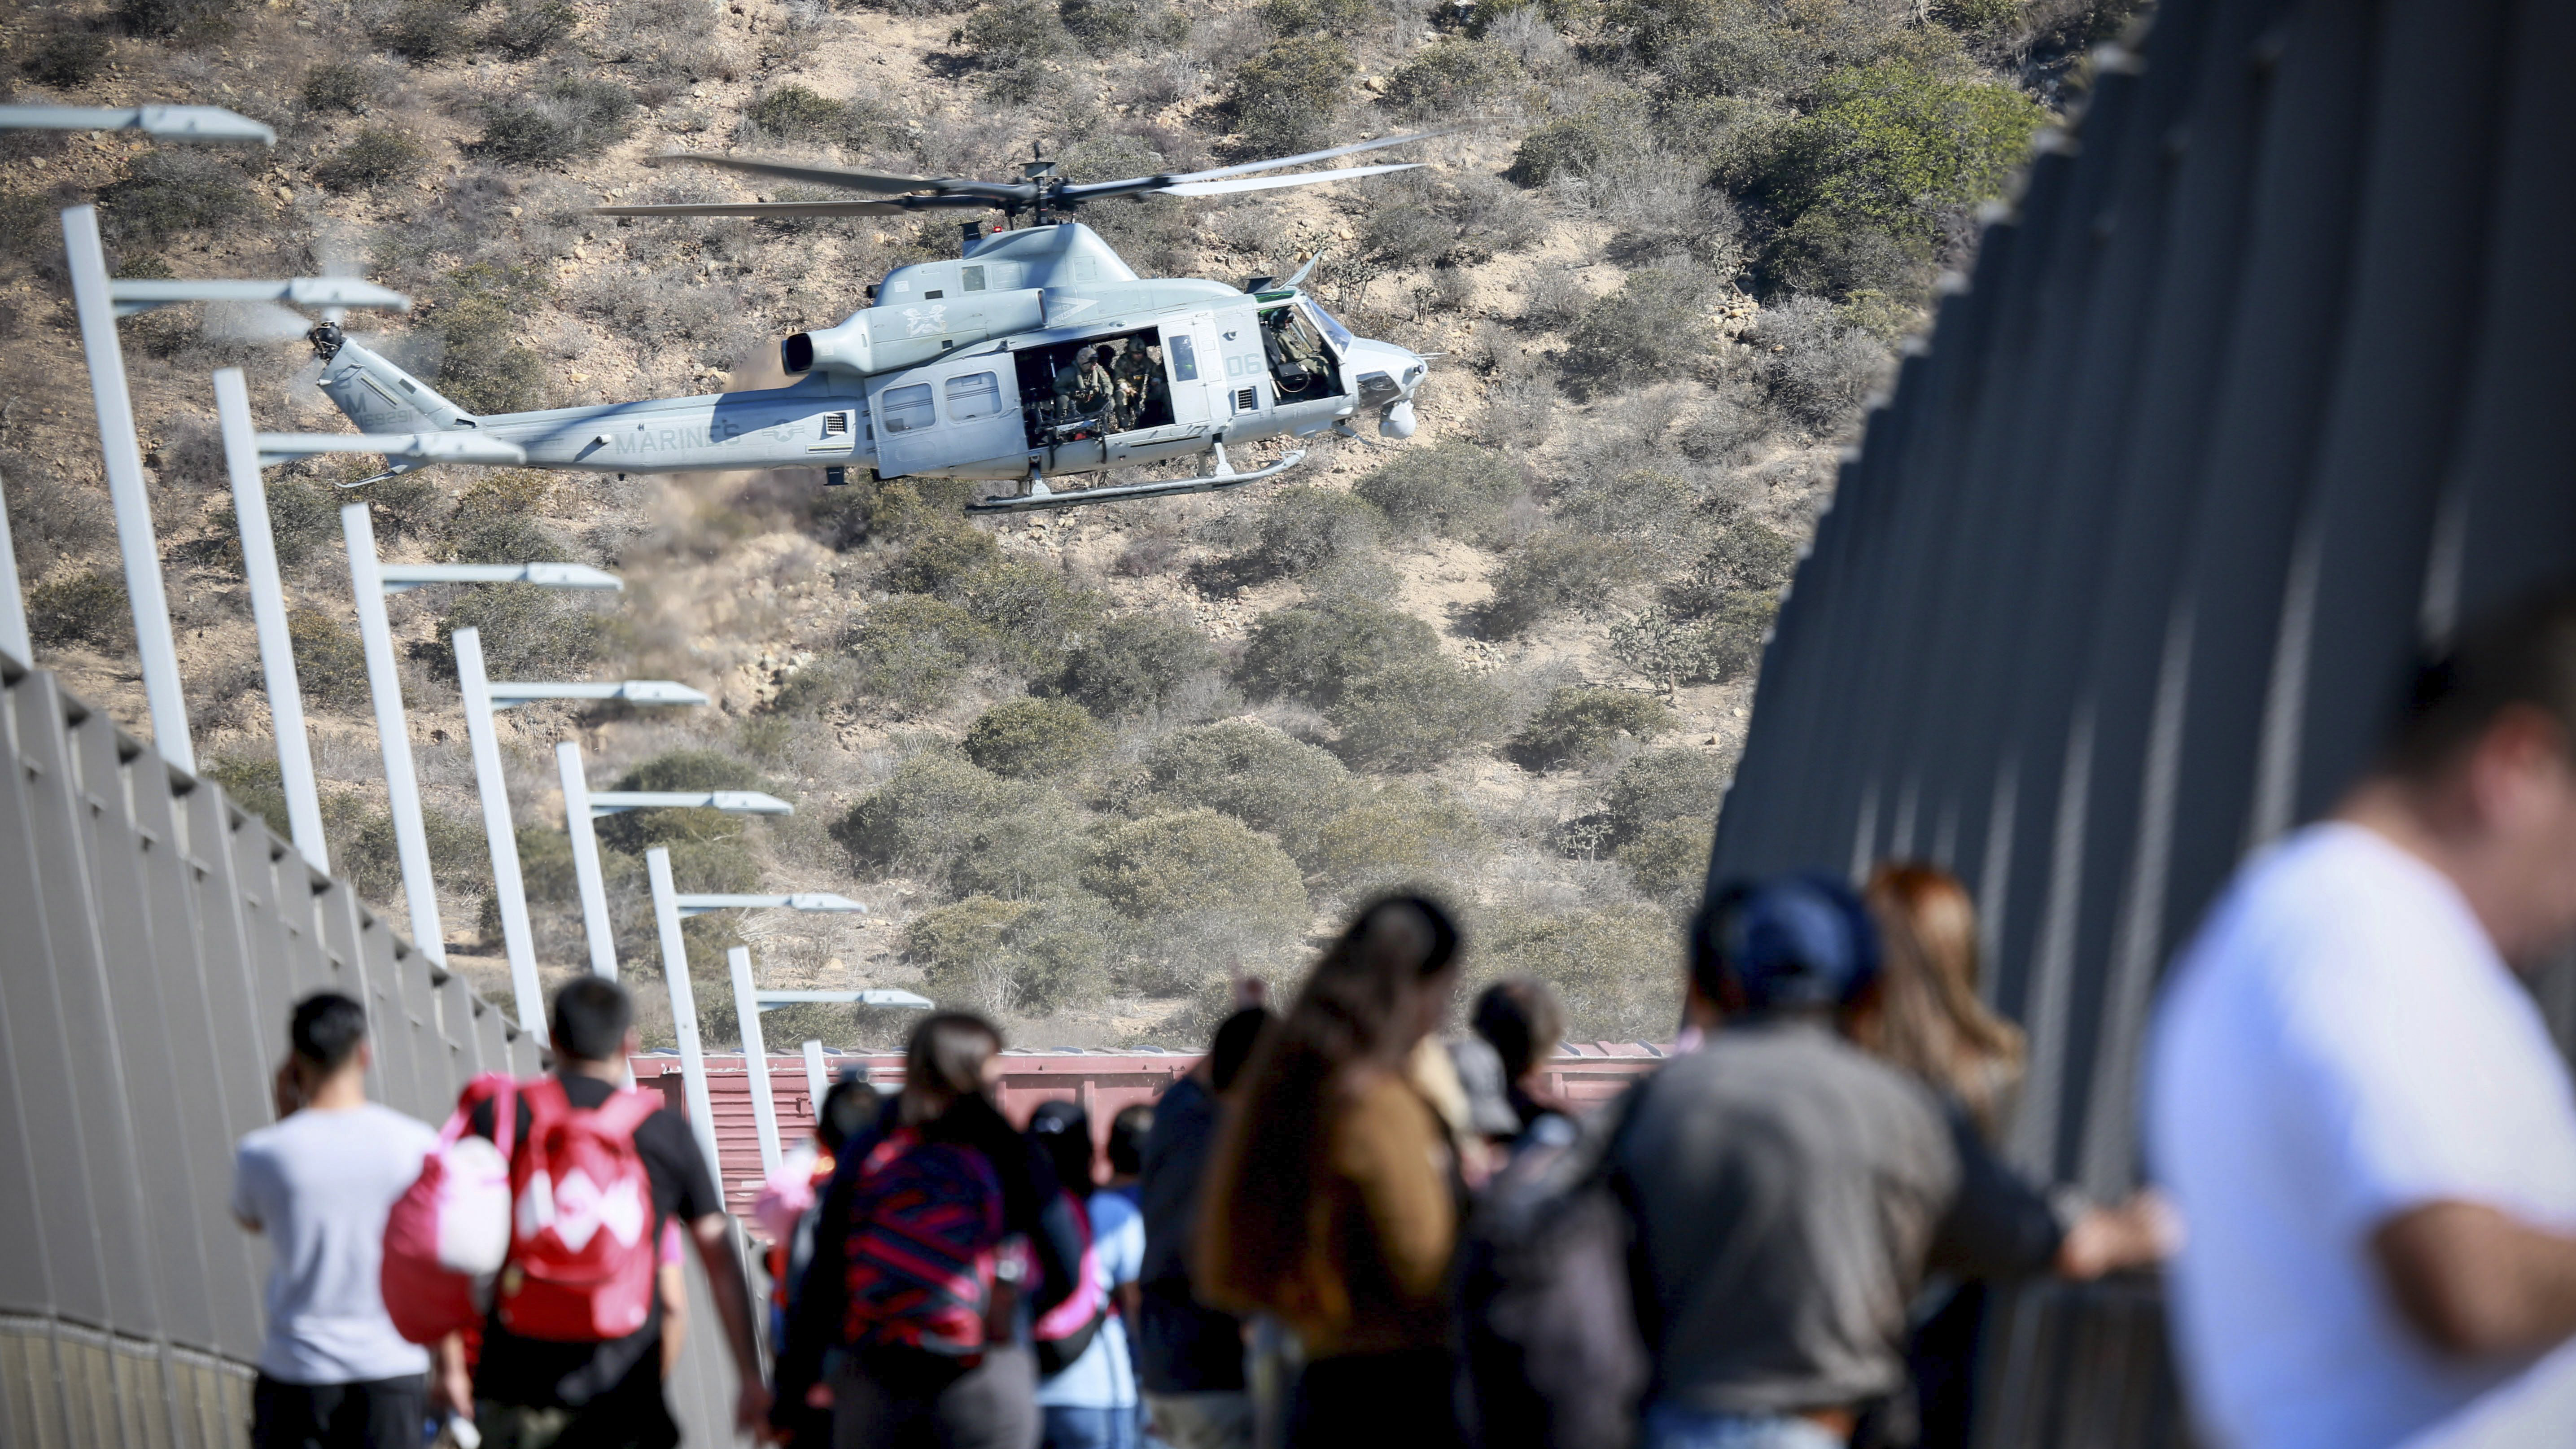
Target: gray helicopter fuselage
{"x": 959, "y": 371}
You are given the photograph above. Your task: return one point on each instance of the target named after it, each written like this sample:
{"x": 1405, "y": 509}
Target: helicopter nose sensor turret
{"x": 1387, "y": 378}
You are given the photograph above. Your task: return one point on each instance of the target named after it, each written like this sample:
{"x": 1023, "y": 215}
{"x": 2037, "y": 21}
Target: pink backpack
{"x": 581, "y": 1228}
{"x": 448, "y": 1234}
{"x": 1063, "y": 1333}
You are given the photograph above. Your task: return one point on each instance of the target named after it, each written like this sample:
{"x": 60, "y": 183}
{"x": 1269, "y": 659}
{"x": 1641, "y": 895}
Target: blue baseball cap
{"x": 1795, "y": 942}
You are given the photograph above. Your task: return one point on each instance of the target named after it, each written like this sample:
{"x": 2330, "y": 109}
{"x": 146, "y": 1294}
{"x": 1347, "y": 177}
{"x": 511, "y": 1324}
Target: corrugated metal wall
{"x": 152, "y": 938}
{"x": 2263, "y": 378}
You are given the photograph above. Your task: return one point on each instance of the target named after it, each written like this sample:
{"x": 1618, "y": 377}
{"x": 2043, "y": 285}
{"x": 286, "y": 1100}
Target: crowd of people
{"x": 1348, "y": 1226}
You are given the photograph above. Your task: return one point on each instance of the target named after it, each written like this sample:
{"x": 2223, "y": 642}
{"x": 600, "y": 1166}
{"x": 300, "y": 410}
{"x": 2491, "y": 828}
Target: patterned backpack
{"x": 925, "y": 1238}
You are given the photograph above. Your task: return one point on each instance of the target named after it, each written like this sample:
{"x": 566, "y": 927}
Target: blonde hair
{"x": 1931, "y": 1021}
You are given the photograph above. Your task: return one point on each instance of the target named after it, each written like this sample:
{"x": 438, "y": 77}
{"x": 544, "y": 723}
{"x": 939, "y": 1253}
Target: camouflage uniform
{"x": 1134, "y": 373}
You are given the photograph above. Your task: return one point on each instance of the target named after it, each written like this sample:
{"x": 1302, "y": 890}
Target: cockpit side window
{"x": 1331, "y": 324}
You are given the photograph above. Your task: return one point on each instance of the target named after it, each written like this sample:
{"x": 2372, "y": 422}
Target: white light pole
{"x": 15, "y": 648}
{"x": 370, "y": 580}
{"x": 818, "y": 1081}
{"x": 755, "y": 1057}
{"x": 516, "y": 939}
{"x": 595, "y": 925}
{"x": 268, "y": 617}
{"x": 123, "y": 458}
{"x": 668, "y": 907}
{"x": 684, "y": 1008}
{"x": 482, "y": 697}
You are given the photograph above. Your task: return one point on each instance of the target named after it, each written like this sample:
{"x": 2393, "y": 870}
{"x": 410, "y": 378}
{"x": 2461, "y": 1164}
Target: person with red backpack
{"x": 571, "y": 1352}
{"x": 940, "y": 1242}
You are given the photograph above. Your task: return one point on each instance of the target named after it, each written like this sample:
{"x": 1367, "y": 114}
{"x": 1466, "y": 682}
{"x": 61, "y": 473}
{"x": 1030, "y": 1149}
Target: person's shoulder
{"x": 396, "y": 1127}
{"x": 261, "y": 1144}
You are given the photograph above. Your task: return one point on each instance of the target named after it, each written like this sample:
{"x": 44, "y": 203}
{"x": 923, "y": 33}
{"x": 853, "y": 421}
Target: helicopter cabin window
{"x": 906, "y": 408}
{"x": 971, "y": 278}
{"x": 976, "y": 395}
{"x": 1185, "y": 358}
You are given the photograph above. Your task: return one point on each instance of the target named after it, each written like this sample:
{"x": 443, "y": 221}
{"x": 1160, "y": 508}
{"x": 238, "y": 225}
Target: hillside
{"x": 1084, "y": 766}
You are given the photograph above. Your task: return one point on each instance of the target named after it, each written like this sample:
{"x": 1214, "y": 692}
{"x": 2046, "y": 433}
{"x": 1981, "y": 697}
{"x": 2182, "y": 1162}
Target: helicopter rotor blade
{"x": 1249, "y": 167}
{"x": 1265, "y": 183}
{"x": 797, "y": 208}
{"x": 846, "y": 179}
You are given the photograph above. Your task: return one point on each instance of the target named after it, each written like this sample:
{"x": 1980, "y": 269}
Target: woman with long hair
{"x": 1332, "y": 1200}
{"x": 1931, "y": 1022}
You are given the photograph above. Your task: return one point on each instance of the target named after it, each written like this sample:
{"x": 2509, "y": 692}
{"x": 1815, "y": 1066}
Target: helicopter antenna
{"x": 1035, "y": 171}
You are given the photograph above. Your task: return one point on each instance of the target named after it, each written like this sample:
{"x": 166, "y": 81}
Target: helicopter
{"x": 1036, "y": 354}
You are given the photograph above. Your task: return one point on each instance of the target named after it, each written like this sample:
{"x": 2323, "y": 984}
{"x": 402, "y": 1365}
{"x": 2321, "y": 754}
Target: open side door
{"x": 947, "y": 414}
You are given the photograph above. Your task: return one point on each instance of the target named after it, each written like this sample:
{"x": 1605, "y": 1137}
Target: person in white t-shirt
{"x": 332, "y": 1370}
{"x": 2357, "y": 1106}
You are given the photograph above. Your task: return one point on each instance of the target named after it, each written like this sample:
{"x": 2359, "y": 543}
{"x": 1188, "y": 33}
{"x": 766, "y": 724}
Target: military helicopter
{"x": 1038, "y": 353}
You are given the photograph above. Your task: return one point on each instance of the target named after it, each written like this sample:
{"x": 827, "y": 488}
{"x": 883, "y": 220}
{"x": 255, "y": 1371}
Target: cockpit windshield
{"x": 1331, "y": 324}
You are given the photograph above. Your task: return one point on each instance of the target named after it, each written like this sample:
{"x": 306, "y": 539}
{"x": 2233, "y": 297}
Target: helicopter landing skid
{"x": 1040, "y": 497}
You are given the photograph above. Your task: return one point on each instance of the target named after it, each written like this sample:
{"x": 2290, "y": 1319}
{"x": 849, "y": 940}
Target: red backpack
{"x": 448, "y": 1235}
{"x": 582, "y": 1248}
{"x": 923, "y": 1247}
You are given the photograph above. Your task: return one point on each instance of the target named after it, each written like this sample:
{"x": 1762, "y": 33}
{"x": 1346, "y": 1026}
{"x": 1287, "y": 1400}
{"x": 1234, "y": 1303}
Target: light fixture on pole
{"x": 17, "y": 651}
{"x": 170, "y": 123}
{"x": 668, "y": 908}
{"x": 582, "y": 805}
{"x": 370, "y": 579}
{"x": 100, "y": 300}
{"x": 482, "y": 697}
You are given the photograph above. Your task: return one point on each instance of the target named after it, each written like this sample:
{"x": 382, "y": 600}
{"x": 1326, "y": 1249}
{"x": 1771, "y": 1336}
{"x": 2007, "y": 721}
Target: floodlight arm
{"x": 180, "y": 123}
{"x": 877, "y": 996}
{"x": 506, "y": 693}
{"x": 731, "y": 802}
{"x": 400, "y": 577}
{"x": 811, "y": 902}
{"x": 134, "y": 294}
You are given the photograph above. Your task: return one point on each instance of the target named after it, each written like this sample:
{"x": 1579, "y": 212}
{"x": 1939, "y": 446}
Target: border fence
{"x": 152, "y": 936}
{"x": 2263, "y": 381}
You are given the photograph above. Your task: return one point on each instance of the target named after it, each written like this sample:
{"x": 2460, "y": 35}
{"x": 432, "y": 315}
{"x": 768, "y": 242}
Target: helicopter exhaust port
{"x": 796, "y": 354}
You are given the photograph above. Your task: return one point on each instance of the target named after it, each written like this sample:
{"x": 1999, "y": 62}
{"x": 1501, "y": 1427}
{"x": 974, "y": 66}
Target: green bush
{"x": 181, "y": 20}
{"x": 1648, "y": 508}
{"x": 483, "y": 368}
{"x": 974, "y": 831}
{"x": 28, "y": 222}
{"x": 1656, "y": 327}
{"x": 1577, "y": 146}
{"x": 1892, "y": 140}
{"x": 87, "y": 608}
{"x": 1656, "y": 785}
{"x": 1306, "y": 17}
{"x": 1451, "y": 75}
{"x": 1815, "y": 367}
{"x": 1407, "y": 237}
{"x": 302, "y": 516}
{"x": 1200, "y": 864}
{"x": 1135, "y": 667}
{"x": 527, "y": 632}
{"x": 256, "y": 784}
{"x": 1579, "y": 726}
{"x": 797, "y": 113}
{"x": 1710, "y": 649}
{"x": 370, "y": 859}
{"x": 1291, "y": 92}
{"x": 1415, "y": 715}
{"x": 941, "y": 557}
{"x": 1304, "y": 530}
{"x": 424, "y": 30}
{"x": 1026, "y": 739}
{"x": 166, "y": 193}
{"x": 530, "y": 28}
{"x": 1265, "y": 779}
{"x": 337, "y": 85}
{"x": 1312, "y": 655}
{"x": 572, "y": 117}
{"x": 66, "y": 58}
{"x": 1107, "y": 26}
{"x": 1002, "y": 957}
{"x": 1036, "y": 614}
{"x": 913, "y": 651}
{"x": 1749, "y": 557}
{"x": 1554, "y": 572}
{"x": 1669, "y": 859}
{"x": 1400, "y": 834}
{"x": 1454, "y": 489}
{"x": 635, "y": 831}
{"x": 330, "y": 662}
{"x": 1617, "y": 969}
{"x": 376, "y": 155}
